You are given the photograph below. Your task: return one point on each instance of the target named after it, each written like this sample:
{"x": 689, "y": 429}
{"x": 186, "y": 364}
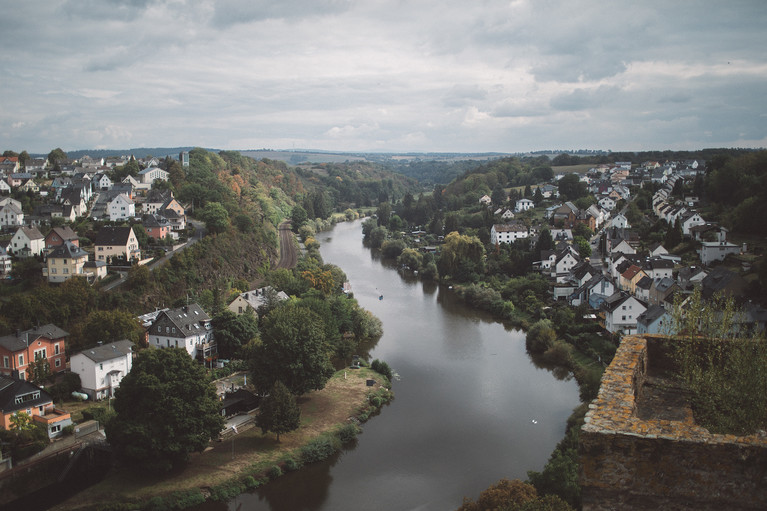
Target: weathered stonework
{"x": 640, "y": 451}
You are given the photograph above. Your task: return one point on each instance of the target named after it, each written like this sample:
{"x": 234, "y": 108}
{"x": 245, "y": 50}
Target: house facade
{"x": 58, "y": 235}
{"x": 19, "y": 350}
{"x": 102, "y": 368}
{"x": 507, "y": 233}
{"x": 11, "y": 216}
{"x": 621, "y": 311}
{"x": 116, "y": 244}
{"x": 22, "y": 396}
{"x": 64, "y": 262}
{"x": 27, "y": 242}
{"x": 187, "y": 327}
{"x": 151, "y": 174}
{"x": 121, "y": 208}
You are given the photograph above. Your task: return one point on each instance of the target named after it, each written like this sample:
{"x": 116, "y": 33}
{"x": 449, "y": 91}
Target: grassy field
{"x": 247, "y": 453}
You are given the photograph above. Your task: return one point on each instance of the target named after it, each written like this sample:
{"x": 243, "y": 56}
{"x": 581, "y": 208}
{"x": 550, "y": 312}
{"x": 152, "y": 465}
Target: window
{"x": 66, "y": 270}
{"x": 6, "y": 362}
{"x": 101, "y": 367}
{"x": 167, "y": 329}
{"x": 53, "y": 271}
{"x": 21, "y": 360}
{"x": 58, "y": 362}
{"x": 21, "y": 375}
{"x": 41, "y": 354}
{"x": 65, "y": 261}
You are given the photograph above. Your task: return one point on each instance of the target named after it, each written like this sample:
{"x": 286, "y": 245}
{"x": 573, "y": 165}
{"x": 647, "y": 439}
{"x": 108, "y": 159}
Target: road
{"x": 288, "y": 251}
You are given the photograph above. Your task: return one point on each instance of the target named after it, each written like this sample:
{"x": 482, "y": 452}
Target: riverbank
{"x": 244, "y": 460}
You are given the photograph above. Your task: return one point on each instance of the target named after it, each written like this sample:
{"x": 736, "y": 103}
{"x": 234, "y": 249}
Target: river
{"x": 470, "y": 406}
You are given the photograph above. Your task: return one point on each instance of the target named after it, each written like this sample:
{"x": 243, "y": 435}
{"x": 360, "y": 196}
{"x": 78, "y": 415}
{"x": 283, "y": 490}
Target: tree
{"x": 165, "y": 409}
{"x": 278, "y": 412}
{"x": 21, "y": 421}
{"x": 545, "y": 241}
{"x": 571, "y": 187}
{"x": 583, "y": 246}
{"x": 292, "y": 350}
{"x": 540, "y": 336}
{"x": 41, "y": 370}
{"x": 57, "y": 158}
{"x": 673, "y": 235}
{"x": 110, "y": 326}
{"x": 215, "y": 216}
{"x": 298, "y": 217}
{"x": 233, "y": 331}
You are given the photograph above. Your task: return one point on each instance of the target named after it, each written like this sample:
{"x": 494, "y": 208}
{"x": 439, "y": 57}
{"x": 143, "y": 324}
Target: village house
{"x": 102, "y": 367}
{"x": 6, "y": 263}
{"x": 58, "y": 235}
{"x": 22, "y": 396}
{"x": 101, "y": 182}
{"x": 524, "y": 205}
{"x": 187, "y": 327}
{"x": 507, "y": 233}
{"x": 655, "y": 320}
{"x": 121, "y": 208}
{"x": 27, "y": 242}
{"x": 156, "y": 226}
{"x": 252, "y": 300}
{"x": 19, "y": 350}
{"x": 64, "y": 262}
{"x": 11, "y": 216}
{"x": 718, "y": 250}
{"x": 621, "y": 311}
{"x": 152, "y": 174}
{"x": 113, "y": 244}
{"x": 9, "y": 164}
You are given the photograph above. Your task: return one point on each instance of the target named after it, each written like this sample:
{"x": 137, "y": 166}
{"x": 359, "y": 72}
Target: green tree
{"x": 215, "y": 216}
{"x": 57, "y": 158}
{"x": 165, "y": 409}
{"x": 410, "y": 258}
{"x": 540, "y": 336}
{"x": 298, "y": 217}
{"x": 583, "y": 246}
{"x": 41, "y": 371}
{"x": 571, "y": 187}
{"x": 234, "y": 331}
{"x": 278, "y": 412}
{"x": 460, "y": 249}
{"x": 383, "y": 213}
{"x": 21, "y": 421}
{"x": 292, "y": 350}
{"x": 110, "y": 326}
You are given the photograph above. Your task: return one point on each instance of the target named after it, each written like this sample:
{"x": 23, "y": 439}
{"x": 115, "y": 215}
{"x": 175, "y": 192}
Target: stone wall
{"x": 662, "y": 460}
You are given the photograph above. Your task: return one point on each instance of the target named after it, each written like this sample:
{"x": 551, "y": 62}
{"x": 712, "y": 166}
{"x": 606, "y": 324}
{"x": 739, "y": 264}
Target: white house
{"x": 607, "y": 203}
{"x": 121, "y": 208}
{"x": 485, "y": 200}
{"x": 11, "y": 216}
{"x": 27, "y": 242}
{"x": 507, "y": 233}
{"x": 621, "y": 313}
{"x": 102, "y": 368}
{"x": 151, "y": 174}
{"x": 620, "y": 221}
{"x": 187, "y": 327}
{"x": 524, "y": 205}
{"x": 566, "y": 261}
{"x": 102, "y": 182}
{"x": 254, "y": 299}
{"x": 689, "y": 221}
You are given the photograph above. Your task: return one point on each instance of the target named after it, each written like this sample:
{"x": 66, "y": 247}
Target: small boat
{"x": 380, "y": 297}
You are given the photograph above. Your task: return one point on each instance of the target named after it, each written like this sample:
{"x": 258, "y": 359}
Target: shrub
{"x": 274, "y": 472}
{"x": 319, "y": 449}
{"x": 68, "y": 430}
{"x": 348, "y": 432}
{"x": 292, "y": 464}
{"x": 540, "y": 337}
{"x": 250, "y": 482}
{"x": 185, "y": 499}
{"x": 156, "y": 504}
{"x": 381, "y": 368}
{"x": 560, "y": 353}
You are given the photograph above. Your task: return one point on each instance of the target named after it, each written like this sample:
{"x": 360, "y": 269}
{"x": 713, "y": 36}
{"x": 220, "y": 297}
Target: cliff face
{"x": 641, "y": 449}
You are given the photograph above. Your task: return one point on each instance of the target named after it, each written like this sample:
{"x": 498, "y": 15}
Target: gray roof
{"x": 67, "y": 250}
{"x": 109, "y": 351}
{"x": 10, "y": 388}
{"x": 651, "y": 314}
{"x": 113, "y": 236}
{"x": 20, "y": 340}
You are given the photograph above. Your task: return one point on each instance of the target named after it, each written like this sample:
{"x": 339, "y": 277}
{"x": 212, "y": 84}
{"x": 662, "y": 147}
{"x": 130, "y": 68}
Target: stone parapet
{"x": 649, "y": 461}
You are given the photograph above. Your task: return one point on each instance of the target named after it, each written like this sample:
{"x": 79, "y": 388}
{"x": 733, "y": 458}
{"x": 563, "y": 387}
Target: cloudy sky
{"x": 383, "y": 75}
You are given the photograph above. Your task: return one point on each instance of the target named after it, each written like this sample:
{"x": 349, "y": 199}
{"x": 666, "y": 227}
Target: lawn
{"x": 247, "y": 453}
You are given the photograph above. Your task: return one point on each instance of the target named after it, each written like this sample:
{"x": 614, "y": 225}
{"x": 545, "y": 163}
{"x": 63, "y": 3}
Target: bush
{"x": 319, "y": 449}
{"x": 381, "y": 368}
{"x": 540, "y": 337}
{"x": 292, "y": 465}
{"x": 348, "y": 432}
{"x": 274, "y": 472}
{"x": 250, "y": 482}
{"x": 560, "y": 353}
{"x": 68, "y": 430}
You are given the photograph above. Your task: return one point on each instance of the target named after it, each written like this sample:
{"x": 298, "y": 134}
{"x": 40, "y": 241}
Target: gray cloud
{"x": 386, "y": 75}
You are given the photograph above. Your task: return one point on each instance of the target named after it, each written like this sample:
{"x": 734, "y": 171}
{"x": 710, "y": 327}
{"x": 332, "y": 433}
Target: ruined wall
{"x": 653, "y": 463}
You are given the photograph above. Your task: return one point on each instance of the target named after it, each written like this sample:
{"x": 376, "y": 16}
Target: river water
{"x": 470, "y": 406}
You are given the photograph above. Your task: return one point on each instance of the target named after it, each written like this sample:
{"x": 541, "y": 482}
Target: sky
{"x": 383, "y": 75}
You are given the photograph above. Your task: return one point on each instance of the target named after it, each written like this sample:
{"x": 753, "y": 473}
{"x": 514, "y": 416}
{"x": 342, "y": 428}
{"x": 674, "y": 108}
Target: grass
{"x": 566, "y": 169}
{"x": 247, "y": 454}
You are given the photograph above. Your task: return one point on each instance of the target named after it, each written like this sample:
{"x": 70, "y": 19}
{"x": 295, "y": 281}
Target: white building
{"x": 507, "y": 233}
{"x": 102, "y": 368}
{"x": 187, "y": 327}
{"x": 121, "y": 208}
{"x": 524, "y": 205}
{"x": 151, "y": 174}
